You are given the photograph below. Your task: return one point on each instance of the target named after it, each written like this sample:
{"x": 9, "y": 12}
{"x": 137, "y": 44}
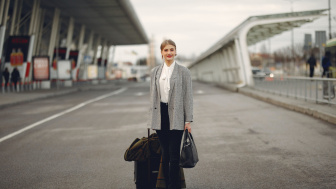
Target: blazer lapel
{"x": 173, "y": 80}
{"x": 157, "y": 80}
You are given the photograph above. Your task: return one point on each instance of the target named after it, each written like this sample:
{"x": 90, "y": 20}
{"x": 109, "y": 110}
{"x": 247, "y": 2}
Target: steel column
{"x": 69, "y": 37}
{"x": 53, "y": 35}
{"x": 39, "y": 33}
{"x": 18, "y": 20}
{"x": 4, "y": 9}
{"x": 14, "y": 14}
{"x": 90, "y": 43}
{"x": 98, "y": 42}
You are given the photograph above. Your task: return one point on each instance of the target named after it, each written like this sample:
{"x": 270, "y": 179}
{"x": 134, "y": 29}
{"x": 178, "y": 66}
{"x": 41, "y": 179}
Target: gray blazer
{"x": 180, "y": 98}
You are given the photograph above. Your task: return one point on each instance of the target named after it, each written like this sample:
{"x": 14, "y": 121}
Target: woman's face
{"x": 168, "y": 52}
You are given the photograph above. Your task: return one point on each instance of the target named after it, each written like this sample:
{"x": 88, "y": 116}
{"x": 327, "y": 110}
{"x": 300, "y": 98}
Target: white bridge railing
{"x": 319, "y": 90}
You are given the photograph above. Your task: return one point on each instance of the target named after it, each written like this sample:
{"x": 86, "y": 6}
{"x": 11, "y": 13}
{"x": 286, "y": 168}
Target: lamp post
{"x": 292, "y": 34}
{"x": 329, "y": 20}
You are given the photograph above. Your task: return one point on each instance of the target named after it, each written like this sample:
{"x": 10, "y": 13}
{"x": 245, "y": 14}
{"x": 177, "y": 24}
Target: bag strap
{"x": 185, "y": 135}
{"x": 190, "y": 136}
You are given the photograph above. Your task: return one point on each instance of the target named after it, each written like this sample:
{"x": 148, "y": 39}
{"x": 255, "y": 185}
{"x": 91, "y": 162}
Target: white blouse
{"x": 165, "y": 81}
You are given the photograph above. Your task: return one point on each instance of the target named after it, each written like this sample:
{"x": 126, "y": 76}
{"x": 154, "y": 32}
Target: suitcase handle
{"x": 149, "y": 149}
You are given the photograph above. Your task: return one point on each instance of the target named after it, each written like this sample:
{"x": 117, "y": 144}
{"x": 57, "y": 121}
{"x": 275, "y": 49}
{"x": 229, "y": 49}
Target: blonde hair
{"x": 167, "y": 42}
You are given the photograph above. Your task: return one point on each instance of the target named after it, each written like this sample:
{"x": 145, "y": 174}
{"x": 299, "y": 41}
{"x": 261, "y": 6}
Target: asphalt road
{"x": 242, "y": 142}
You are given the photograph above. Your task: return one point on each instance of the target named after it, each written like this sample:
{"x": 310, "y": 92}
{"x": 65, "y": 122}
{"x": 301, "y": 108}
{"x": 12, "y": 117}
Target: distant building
{"x": 307, "y": 42}
{"x": 151, "y": 61}
{"x": 320, "y": 38}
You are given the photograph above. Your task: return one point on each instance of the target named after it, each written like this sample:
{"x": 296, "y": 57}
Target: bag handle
{"x": 187, "y": 135}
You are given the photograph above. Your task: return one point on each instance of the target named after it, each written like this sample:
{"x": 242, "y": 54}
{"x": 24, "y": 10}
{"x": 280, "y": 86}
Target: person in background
{"x": 171, "y": 110}
{"x": 5, "y": 74}
{"x": 15, "y": 77}
{"x": 312, "y": 64}
{"x": 326, "y": 64}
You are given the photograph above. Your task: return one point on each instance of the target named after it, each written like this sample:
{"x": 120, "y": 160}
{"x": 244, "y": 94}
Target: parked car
{"x": 258, "y": 72}
{"x": 268, "y": 72}
{"x": 262, "y": 72}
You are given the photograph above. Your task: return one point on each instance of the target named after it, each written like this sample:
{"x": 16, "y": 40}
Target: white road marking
{"x": 199, "y": 92}
{"x": 61, "y": 113}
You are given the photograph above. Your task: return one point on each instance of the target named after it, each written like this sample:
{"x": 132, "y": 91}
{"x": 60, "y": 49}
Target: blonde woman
{"x": 171, "y": 109}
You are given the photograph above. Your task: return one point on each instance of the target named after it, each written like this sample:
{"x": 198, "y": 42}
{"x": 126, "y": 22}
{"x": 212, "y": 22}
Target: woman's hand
{"x": 187, "y": 126}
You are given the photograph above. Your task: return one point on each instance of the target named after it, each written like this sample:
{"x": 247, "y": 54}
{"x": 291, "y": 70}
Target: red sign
{"x": 41, "y": 68}
{"x": 17, "y": 50}
{"x": 73, "y": 58}
{"x": 27, "y": 69}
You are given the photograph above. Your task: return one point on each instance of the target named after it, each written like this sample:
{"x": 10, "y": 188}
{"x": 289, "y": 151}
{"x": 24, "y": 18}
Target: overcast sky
{"x": 195, "y": 25}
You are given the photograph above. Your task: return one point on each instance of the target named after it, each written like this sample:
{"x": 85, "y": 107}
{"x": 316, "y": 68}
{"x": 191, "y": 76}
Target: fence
{"x": 36, "y": 85}
{"x": 319, "y": 90}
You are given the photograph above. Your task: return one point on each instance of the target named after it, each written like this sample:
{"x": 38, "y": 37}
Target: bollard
{"x": 329, "y": 93}
{"x": 316, "y": 91}
{"x": 305, "y": 90}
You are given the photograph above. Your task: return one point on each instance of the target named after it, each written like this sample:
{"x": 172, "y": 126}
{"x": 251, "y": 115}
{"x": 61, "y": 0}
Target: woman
{"x": 171, "y": 109}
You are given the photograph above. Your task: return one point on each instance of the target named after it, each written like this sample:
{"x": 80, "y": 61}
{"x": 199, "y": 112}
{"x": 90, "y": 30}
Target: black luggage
{"x": 146, "y": 172}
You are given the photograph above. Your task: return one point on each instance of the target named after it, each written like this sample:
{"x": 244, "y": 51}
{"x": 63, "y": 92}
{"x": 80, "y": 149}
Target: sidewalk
{"x": 321, "y": 111}
{"x": 14, "y": 98}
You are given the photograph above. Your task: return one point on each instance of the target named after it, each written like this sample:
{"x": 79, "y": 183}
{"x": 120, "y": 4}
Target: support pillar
{"x": 14, "y": 15}
{"x": 2, "y": 7}
{"x": 81, "y": 37}
{"x": 3, "y": 19}
{"x": 80, "y": 51}
{"x": 90, "y": 44}
{"x": 68, "y": 83}
{"x": 95, "y": 56}
{"x": 39, "y": 33}
{"x": 53, "y": 35}
{"x": 18, "y": 20}
{"x": 239, "y": 59}
{"x": 34, "y": 23}
{"x": 69, "y": 37}
{"x": 111, "y": 57}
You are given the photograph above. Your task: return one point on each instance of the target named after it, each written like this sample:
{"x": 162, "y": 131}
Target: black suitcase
{"x": 146, "y": 172}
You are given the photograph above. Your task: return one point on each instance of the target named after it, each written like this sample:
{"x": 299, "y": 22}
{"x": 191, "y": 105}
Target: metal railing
{"x": 319, "y": 90}
{"x": 36, "y": 85}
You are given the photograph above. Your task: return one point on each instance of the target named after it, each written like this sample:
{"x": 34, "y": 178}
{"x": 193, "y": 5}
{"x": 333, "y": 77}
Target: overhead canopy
{"x": 263, "y": 27}
{"x": 261, "y": 32}
{"x": 331, "y": 43}
{"x": 114, "y": 20}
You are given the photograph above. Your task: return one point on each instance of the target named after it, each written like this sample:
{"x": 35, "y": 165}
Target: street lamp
{"x": 292, "y": 34}
{"x": 329, "y": 20}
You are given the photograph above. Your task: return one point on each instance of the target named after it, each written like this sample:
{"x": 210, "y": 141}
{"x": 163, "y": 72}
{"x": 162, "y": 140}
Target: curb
{"x": 59, "y": 93}
{"x": 302, "y": 109}
{"x": 39, "y": 98}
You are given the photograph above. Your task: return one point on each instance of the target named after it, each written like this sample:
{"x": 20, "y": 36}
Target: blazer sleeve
{"x": 188, "y": 97}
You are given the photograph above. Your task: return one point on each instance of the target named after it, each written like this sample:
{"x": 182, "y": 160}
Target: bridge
{"x": 227, "y": 62}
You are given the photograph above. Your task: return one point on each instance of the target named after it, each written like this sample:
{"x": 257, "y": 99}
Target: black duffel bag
{"x": 189, "y": 156}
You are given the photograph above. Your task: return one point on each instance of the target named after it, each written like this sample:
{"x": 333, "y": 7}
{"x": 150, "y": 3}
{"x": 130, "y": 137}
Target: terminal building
{"x": 62, "y": 39}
